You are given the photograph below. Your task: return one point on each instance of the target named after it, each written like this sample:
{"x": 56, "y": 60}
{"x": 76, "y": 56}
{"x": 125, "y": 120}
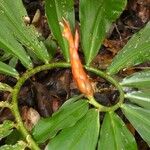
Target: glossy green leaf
{"x": 141, "y": 98}
{"x": 6, "y": 128}
{"x": 5, "y": 87}
{"x": 135, "y": 52}
{"x": 96, "y": 19}
{"x": 17, "y": 11}
{"x": 138, "y": 80}
{"x": 6, "y": 69}
{"x": 64, "y": 118}
{"x": 14, "y": 137}
{"x": 71, "y": 100}
{"x": 55, "y": 11}
{"x": 10, "y": 45}
{"x": 51, "y": 46}
{"x": 13, "y": 15}
{"x": 19, "y": 146}
{"x": 5, "y": 56}
{"x": 114, "y": 134}
{"x": 140, "y": 119}
{"x": 82, "y": 136}
{"x": 13, "y": 62}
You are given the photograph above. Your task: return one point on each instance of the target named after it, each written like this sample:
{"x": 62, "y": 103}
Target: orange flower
{"x": 79, "y": 75}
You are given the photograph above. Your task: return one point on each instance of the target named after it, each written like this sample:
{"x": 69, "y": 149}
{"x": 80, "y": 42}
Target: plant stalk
{"x": 15, "y": 109}
{"x": 112, "y": 81}
{"x": 14, "y": 105}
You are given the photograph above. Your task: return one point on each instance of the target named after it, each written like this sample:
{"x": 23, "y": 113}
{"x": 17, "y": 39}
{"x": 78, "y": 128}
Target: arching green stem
{"x": 115, "y": 83}
{"x": 15, "y": 109}
{"x": 15, "y": 93}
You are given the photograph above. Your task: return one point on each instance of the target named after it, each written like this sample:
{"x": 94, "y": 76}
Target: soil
{"x": 47, "y": 91}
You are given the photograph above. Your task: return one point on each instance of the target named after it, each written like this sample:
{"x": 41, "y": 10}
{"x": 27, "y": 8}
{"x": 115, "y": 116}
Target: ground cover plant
{"x": 82, "y": 121}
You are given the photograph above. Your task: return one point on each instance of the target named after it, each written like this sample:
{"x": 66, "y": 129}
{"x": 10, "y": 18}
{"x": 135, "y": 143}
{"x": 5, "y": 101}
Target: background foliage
{"x": 76, "y": 120}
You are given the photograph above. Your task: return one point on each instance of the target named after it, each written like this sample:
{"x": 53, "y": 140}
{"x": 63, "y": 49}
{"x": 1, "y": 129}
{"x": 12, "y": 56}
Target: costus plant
{"x": 78, "y": 123}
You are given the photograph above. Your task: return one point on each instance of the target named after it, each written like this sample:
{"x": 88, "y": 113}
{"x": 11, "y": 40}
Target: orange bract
{"x": 79, "y": 75}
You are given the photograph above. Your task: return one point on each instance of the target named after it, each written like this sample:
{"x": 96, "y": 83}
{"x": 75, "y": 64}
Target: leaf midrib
{"x": 94, "y": 31}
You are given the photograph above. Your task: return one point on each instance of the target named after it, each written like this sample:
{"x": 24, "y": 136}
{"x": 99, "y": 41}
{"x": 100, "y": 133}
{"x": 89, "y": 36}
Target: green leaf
{"x": 140, "y": 119}
{"x": 12, "y": 138}
{"x": 12, "y": 14}
{"x": 6, "y": 128}
{"x": 13, "y": 62}
{"x": 64, "y": 118}
{"x": 135, "y": 52}
{"x": 10, "y": 45}
{"x": 71, "y": 100}
{"x": 96, "y": 19}
{"x": 5, "y": 69}
{"x": 17, "y": 11}
{"x": 5, "y": 87}
{"x": 141, "y": 98}
{"x": 82, "y": 136}
{"x": 114, "y": 135}
{"x": 139, "y": 80}
{"x": 51, "y": 46}
{"x": 55, "y": 11}
{"x": 5, "y": 56}
{"x": 19, "y": 146}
